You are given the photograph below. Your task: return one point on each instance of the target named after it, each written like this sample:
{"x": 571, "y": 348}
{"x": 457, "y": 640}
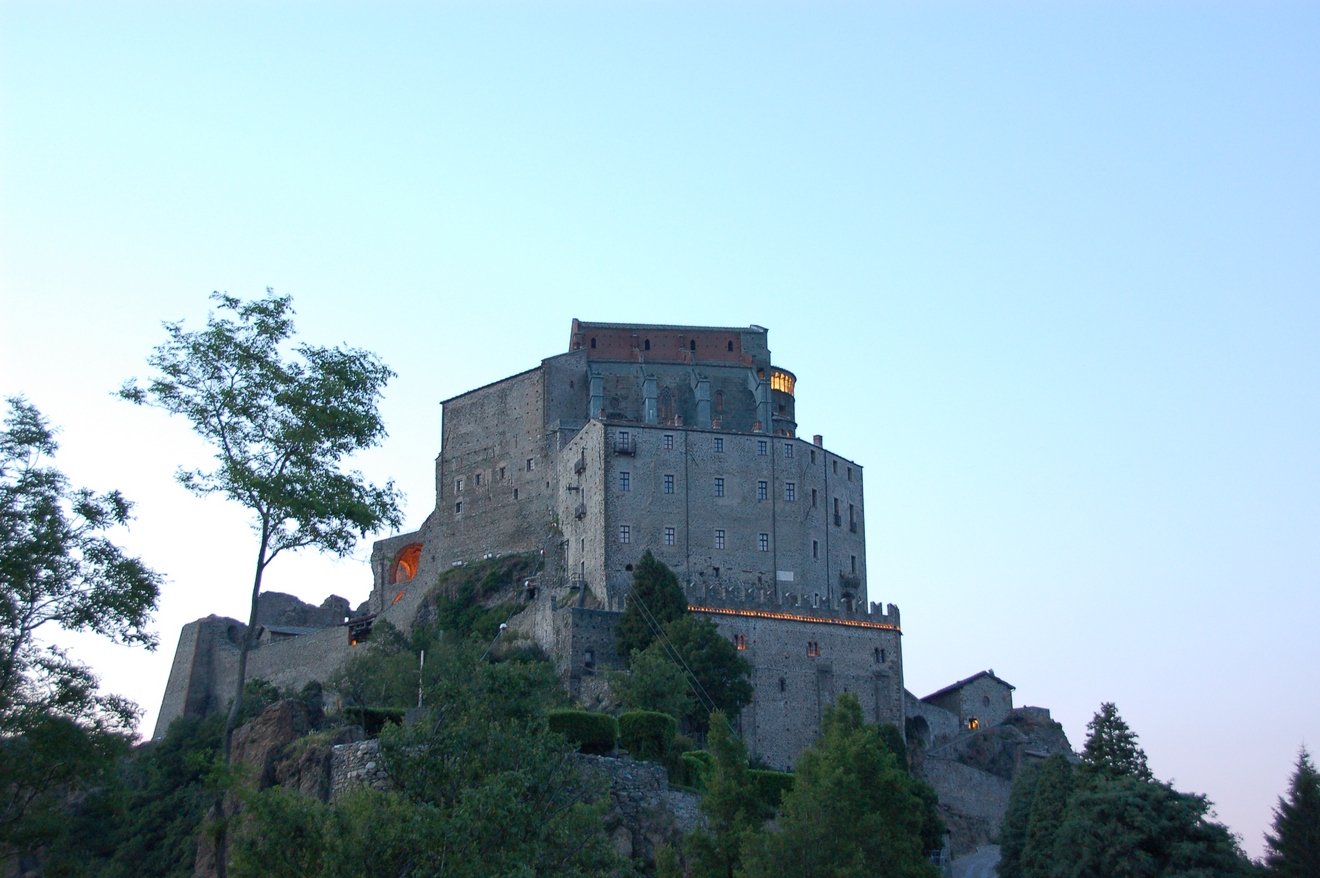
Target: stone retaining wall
{"x": 356, "y": 765}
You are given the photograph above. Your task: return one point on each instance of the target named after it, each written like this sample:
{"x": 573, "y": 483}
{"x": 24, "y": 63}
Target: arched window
{"x": 692, "y": 345}
{"x": 719, "y": 400}
{"x": 405, "y": 565}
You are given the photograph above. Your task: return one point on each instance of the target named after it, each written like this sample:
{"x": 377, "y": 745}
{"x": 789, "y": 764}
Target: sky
{"x": 1047, "y": 270}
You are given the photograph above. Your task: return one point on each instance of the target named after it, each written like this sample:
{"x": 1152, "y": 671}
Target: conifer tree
{"x": 1294, "y": 845}
{"x": 1013, "y": 831}
{"x": 1111, "y": 747}
{"x": 1054, "y": 785}
{"x": 730, "y": 804}
{"x": 656, "y": 600}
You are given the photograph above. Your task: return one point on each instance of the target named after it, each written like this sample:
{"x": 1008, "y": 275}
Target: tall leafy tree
{"x": 851, "y": 813}
{"x": 656, "y": 600}
{"x": 58, "y": 569}
{"x": 1111, "y": 747}
{"x": 280, "y": 427}
{"x": 1293, "y": 848}
{"x": 719, "y": 674}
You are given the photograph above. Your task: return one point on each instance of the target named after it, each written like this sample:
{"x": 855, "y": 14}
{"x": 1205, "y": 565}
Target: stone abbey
{"x": 681, "y": 440}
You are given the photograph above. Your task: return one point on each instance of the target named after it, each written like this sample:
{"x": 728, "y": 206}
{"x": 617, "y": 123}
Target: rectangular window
{"x": 852, "y": 515}
{"x": 850, "y": 474}
{"x": 669, "y": 536}
{"x": 716, "y": 572}
{"x": 501, "y": 474}
{"x": 740, "y": 641}
{"x": 813, "y": 456}
{"x": 719, "y": 487}
{"x": 813, "y": 648}
{"x": 813, "y": 496}
{"x": 836, "y": 467}
{"x": 761, "y": 447}
{"x": 669, "y": 442}
{"x": 815, "y": 548}
{"x": 719, "y": 444}
{"x": 790, "y": 491}
{"x": 788, "y": 449}
{"x": 763, "y": 542}
{"x": 477, "y": 479}
{"x": 762, "y": 490}
{"x": 625, "y": 481}
{"x": 669, "y": 483}
{"x": 719, "y": 540}
{"x": 625, "y": 533}
{"x": 853, "y": 562}
{"x": 458, "y": 508}
{"x": 458, "y": 485}
{"x": 531, "y": 464}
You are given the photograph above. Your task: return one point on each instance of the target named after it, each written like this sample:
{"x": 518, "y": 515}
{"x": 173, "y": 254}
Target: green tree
{"x": 1130, "y": 826}
{"x": 654, "y": 682}
{"x": 731, "y": 805}
{"x": 1293, "y": 848}
{"x": 851, "y": 813}
{"x": 1111, "y": 747}
{"x": 720, "y": 673}
{"x": 1013, "y": 829}
{"x": 1053, "y": 787}
{"x": 280, "y": 429}
{"x": 656, "y": 599}
{"x": 58, "y": 568}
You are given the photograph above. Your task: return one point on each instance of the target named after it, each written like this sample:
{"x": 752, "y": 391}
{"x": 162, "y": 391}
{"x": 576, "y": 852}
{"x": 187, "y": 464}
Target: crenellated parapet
{"x": 771, "y": 603}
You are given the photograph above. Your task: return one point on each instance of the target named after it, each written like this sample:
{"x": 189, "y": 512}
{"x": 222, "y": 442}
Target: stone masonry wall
{"x": 357, "y": 765}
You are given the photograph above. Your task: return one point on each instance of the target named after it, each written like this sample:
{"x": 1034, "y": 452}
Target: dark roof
{"x": 667, "y": 327}
{"x": 962, "y": 683}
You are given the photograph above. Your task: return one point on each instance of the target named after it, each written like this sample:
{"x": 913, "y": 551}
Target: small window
{"x": 531, "y": 464}
{"x": 852, "y": 514}
{"x": 853, "y": 562}
{"x": 593, "y": 342}
{"x": 973, "y": 723}
{"x": 669, "y": 483}
{"x": 589, "y": 659}
{"x": 730, "y": 346}
{"x": 458, "y": 508}
{"x": 719, "y": 487}
{"x": 815, "y": 548}
{"x": 762, "y": 490}
{"x": 458, "y": 485}
{"x": 783, "y": 684}
{"x": 813, "y": 648}
{"x": 625, "y": 533}
{"x": 813, "y": 496}
{"x": 625, "y": 481}
{"x": 790, "y": 491}
{"x": 761, "y": 447}
{"x": 850, "y": 474}
{"x": 501, "y": 474}
{"x": 788, "y": 449}
{"x": 668, "y": 442}
{"x": 477, "y": 479}
{"x": 740, "y": 641}
{"x": 719, "y": 544}
{"x": 836, "y": 467}
{"x": 669, "y": 536}
{"x": 985, "y": 700}
{"x": 719, "y": 442}
{"x": 877, "y": 655}
{"x": 715, "y": 571}
{"x": 763, "y": 542}
{"x": 515, "y": 493}
{"x": 882, "y": 656}
{"x": 692, "y": 345}
{"x": 646, "y": 345}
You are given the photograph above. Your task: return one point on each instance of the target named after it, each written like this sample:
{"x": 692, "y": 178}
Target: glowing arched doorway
{"x": 405, "y": 565}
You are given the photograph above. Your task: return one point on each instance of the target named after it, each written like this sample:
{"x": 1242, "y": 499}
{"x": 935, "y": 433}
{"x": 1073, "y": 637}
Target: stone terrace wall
{"x": 357, "y": 765}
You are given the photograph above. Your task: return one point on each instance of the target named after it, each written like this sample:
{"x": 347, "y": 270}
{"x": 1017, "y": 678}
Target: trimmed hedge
{"x": 771, "y": 785}
{"x": 698, "y": 765}
{"x": 647, "y": 734}
{"x": 592, "y": 732}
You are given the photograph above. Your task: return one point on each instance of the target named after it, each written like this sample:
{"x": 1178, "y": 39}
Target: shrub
{"x": 372, "y": 719}
{"x": 698, "y": 765}
{"x": 592, "y": 732}
{"x": 647, "y": 734}
{"x": 771, "y": 786}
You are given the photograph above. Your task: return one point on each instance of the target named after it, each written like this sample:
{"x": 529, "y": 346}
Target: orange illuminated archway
{"x": 405, "y": 565}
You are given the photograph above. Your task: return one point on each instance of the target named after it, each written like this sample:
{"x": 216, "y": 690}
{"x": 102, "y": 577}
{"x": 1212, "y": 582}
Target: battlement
{"x": 767, "y": 603}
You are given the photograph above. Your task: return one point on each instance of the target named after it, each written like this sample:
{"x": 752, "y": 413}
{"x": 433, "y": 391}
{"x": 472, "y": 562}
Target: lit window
{"x": 669, "y": 483}
{"x": 763, "y": 542}
{"x": 761, "y": 447}
{"x": 719, "y": 487}
{"x": 782, "y": 381}
{"x": 669, "y": 536}
{"x": 813, "y": 648}
{"x": 719, "y": 440}
{"x": 740, "y": 641}
{"x": 762, "y": 490}
{"x": 669, "y": 442}
{"x": 788, "y": 449}
{"x": 625, "y": 481}
{"x": 790, "y": 491}
{"x": 625, "y": 533}
{"x": 973, "y": 723}
{"x": 719, "y": 542}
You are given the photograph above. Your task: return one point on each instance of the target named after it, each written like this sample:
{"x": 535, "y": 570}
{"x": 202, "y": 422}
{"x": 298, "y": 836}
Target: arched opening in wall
{"x": 719, "y": 400}
{"x": 918, "y": 731}
{"x": 973, "y": 723}
{"x": 666, "y": 406}
{"x": 405, "y": 564}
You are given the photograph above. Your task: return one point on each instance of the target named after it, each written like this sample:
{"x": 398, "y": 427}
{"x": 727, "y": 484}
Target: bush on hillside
{"x": 591, "y": 732}
{"x": 698, "y": 766}
{"x": 771, "y": 785}
{"x": 647, "y": 734}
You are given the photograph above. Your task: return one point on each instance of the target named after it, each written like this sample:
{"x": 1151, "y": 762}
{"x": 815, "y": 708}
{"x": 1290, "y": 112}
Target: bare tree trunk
{"x": 248, "y": 637}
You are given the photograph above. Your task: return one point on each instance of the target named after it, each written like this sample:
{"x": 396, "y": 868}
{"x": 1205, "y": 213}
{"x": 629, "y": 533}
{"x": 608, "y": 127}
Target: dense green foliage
{"x": 460, "y": 592}
{"x": 771, "y": 786}
{"x": 1110, "y": 817}
{"x": 647, "y": 734}
{"x": 654, "y": 681}
{"x": 587, "y": 730}
{"x": 852, "y": 812}
{"x": 656, "y": 599}
{"x": 58, "y": 569}
{"x": 730, "y": 802}
{"x": 698, "y": 767}
{"x": 280, "y": 429}
{"x": 486, "y": 789}
{"x": 1293, "y": 848}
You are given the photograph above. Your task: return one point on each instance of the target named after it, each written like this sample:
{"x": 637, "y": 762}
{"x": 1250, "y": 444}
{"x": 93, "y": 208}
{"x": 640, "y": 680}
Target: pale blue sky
{"x": 1049, "y": 271}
